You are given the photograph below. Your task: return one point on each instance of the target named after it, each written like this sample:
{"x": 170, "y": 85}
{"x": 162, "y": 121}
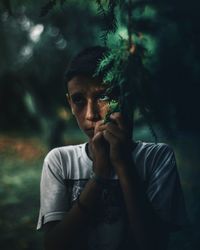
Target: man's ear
{"x": 69, "y": 101}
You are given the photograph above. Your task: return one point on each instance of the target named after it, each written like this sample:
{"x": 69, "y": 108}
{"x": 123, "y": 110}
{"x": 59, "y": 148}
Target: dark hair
{"x": 85, "y": 62}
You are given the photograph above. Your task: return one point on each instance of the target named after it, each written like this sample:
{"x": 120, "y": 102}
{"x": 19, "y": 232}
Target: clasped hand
{"x": 111, "y": 145}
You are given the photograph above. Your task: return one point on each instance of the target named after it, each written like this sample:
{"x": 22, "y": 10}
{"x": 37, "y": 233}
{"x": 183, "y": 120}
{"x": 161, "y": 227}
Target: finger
{"x": 110, "y": 137}
{"x": 98, "y": 126}
{"x": 121, "y": 135}
{"x": 117, "y": 117}
{"x": 120, "y": 121}
{"x": 101, "y": 127}
{"x": 115, "y": 131}
{"x": 97, "y": 138}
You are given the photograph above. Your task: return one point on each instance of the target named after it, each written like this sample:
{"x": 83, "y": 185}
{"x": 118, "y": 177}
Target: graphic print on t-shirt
{"x": 111, "y": 204}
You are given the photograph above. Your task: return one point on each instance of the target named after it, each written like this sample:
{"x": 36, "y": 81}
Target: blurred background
{"x": 37, "y": 41}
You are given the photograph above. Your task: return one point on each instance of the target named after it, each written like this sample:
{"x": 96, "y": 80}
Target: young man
{"x": 110, "y": 193}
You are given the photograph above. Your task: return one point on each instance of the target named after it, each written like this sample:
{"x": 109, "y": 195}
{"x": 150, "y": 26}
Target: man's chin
{"x": 90, "y": 133}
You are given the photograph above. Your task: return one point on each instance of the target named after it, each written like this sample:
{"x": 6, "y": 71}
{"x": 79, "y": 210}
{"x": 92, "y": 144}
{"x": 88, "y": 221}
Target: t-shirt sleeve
{"x": 53, "y": 193}
{"x": 164, "y": 188}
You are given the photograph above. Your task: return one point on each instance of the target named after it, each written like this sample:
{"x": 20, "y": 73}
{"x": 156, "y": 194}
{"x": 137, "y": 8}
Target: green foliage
{"x": 165, "y": 35}
{"x": 113, "y": 64}
{"x": 109, "y": 17}
{"x": 164, "y": 32}
{"x": 124, "y": 69}
{"x": 19, "y": 196}
{"x": 35, "y": 52}
{"x": 113, "y": 107}
{"x": 157, "y": 31}
{"x": 123, "y": 66}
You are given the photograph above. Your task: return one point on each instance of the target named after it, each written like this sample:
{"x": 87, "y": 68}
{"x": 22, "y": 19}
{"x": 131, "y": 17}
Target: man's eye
{"x": 78, "y": 100}
{"x": 104, "y": 98}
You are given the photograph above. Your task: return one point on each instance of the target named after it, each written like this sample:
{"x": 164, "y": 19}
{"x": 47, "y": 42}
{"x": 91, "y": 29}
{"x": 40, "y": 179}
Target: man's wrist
{"x": 101, "y": 181}
{"x": 124, "y": 170}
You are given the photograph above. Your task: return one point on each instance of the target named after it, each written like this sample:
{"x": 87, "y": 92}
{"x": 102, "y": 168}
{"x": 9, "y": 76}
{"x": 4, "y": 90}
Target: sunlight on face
{"x": 88, "y": 102}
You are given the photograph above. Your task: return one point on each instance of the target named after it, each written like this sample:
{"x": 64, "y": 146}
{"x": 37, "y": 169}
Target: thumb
{"x": 97, "y": 139}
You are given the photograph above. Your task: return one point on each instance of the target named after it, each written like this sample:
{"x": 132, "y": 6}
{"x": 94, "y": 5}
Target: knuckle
{"x": 94, "y": 140}
{"x": 118, "y": 115}
{"x": 97, "y": 137}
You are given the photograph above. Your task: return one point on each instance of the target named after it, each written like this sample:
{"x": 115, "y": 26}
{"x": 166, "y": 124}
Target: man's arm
{"x": 67, "y": 234}
{"x": 64, "y": 234}
{"x": 146, "y": 228}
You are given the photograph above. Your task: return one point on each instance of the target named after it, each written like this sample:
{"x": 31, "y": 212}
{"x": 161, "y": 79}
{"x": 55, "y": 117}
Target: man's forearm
{"x": 144, "y": 225}
{"x": 68, "y": 231}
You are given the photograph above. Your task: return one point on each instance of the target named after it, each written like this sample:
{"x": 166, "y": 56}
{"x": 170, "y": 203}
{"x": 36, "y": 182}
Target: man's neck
{"x": 89, "y": 150}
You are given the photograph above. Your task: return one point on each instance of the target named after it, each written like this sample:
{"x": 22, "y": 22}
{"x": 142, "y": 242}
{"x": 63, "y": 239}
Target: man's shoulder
{"x": 152, "y": 148}
{"x": 150, "y": 156}
{"x": 64, "y": 152}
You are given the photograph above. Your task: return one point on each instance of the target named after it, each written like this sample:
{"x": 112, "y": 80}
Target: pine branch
{"x": 123, "y": 67}
{"x": 110, "y": 22}
{"x": 129, "y": 23}
{"x": 101, "y": 11}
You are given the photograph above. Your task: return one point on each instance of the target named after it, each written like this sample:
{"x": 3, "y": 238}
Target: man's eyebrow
{"x": 97, "y": 91}
{"x": 76, "y": 94}
{"x": 100, "y": 91}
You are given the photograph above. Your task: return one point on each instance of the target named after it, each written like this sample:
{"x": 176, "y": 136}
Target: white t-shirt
{"x": 67, "y": 169}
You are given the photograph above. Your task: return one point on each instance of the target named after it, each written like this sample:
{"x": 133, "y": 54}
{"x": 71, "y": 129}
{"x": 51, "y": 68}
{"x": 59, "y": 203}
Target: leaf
{"x": 114, "y": 106}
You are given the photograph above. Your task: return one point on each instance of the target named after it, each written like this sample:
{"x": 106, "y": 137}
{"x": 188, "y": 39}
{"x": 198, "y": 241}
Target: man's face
{"x": 88, "y": 102}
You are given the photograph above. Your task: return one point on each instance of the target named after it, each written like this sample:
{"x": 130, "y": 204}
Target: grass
{"x": 21, "y": 161}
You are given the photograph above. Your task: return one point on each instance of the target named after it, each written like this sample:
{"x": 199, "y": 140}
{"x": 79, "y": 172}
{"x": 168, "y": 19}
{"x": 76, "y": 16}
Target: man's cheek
{"x": 104, "y": 110}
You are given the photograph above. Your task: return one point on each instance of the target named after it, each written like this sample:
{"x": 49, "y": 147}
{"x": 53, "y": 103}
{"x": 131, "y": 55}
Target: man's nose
{"x": 92, "y": 112}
